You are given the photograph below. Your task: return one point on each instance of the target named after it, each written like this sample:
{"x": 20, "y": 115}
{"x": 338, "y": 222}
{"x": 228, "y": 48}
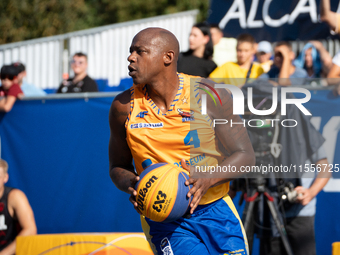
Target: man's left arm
{"x": 22, "y": 211}
{"x": 306, "y": 195}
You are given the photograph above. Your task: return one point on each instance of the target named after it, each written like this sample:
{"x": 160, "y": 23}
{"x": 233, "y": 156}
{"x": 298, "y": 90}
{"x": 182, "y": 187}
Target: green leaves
{"x": 28, "y": 19}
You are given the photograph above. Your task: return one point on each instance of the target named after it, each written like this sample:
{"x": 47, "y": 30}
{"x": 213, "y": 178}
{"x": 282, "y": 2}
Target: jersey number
{"x": 192, "y": 139}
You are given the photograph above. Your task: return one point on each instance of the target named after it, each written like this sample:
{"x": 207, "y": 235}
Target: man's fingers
{"x": 185, "y": 165}
{"x": 132, "y": 191}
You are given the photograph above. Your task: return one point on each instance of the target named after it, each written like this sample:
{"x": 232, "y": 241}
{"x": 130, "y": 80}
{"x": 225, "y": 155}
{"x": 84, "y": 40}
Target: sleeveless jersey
{"x": 181, "y": 132}
{"x": 8, "y": 225}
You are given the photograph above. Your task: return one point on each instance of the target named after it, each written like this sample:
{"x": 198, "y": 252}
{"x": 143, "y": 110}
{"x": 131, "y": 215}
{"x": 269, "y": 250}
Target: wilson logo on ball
{"x": 143, "y": 192}
{"x": 162, "y": 193}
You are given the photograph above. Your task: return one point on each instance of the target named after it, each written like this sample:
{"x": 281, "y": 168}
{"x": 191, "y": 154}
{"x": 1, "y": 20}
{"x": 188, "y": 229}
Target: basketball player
{"x": 16, "y": 215}
{"x": 150, "y": 124}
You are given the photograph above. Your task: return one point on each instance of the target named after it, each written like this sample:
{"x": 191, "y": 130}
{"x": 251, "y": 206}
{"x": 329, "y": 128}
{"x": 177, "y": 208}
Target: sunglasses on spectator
{"x": 10, "y": 77}
{"x": 77, "y": 62}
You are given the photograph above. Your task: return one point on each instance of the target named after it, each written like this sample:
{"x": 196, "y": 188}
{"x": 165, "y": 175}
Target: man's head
{"x": 21, "y": 69}
{"x": 9, "y": 76}
{"x": 264, "y": 51}
{"x": 245, "y": 48}
{"x": 200, "y": 37}
{"x": 283, "y": 50}
{"x": 79, "y": 63}
{"x": 153, "y": 52}
{"x": 3, "y": 172}
{"x": 216, "y": 33}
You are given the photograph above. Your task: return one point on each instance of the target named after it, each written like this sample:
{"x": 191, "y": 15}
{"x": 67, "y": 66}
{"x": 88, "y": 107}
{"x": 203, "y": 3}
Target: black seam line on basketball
{"x": 147, "y": 207}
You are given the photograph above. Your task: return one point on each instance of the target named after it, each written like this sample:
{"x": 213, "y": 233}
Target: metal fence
{"x": 107, "y": 47}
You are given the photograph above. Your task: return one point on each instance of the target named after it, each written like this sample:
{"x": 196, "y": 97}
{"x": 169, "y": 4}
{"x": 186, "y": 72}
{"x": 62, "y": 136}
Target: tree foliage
{"x": 28, "y": 19}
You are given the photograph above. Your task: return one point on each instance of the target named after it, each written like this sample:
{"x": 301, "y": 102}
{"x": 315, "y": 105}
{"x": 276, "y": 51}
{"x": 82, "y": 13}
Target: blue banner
{"x": 271, "y": 20}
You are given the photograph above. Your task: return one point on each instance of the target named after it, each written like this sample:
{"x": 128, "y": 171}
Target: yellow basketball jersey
{"x": 180, "y": 133}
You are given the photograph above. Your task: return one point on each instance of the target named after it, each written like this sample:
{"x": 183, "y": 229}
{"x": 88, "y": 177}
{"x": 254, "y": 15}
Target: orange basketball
{"x": 161, "y": 192}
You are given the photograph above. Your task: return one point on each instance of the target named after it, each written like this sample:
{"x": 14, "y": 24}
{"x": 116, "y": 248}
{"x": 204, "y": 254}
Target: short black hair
{"x": 80, "y": 54}
{"x": 245, "y": 38}
{"x": 8, "y": 71}
{"x": 20, "y": 66}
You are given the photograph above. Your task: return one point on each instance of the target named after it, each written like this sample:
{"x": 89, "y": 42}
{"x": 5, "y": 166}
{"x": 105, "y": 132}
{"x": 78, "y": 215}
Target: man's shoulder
{"x": 299, "y": 73}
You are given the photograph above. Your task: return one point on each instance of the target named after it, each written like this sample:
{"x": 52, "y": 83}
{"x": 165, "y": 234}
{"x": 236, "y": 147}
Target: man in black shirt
{"x": 81, "y": 82}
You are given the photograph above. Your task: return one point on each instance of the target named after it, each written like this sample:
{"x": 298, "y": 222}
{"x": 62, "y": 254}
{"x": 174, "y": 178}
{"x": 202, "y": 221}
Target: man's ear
{"x": 169, "y": 57}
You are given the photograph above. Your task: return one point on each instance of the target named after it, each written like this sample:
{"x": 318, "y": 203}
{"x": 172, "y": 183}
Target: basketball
{"x": 161, "y": 192}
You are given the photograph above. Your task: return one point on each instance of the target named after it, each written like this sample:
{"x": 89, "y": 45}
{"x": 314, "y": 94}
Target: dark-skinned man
{"x": 162, "y": 95}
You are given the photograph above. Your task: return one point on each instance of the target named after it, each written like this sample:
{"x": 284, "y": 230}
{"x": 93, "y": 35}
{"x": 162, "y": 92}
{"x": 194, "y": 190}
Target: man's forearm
{"x": 121, "y": 177}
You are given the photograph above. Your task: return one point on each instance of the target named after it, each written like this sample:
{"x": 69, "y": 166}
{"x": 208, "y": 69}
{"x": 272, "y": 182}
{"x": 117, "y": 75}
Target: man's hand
{"x": 199, "y": 187}
{"x": 304, "y": 195}
{"x": 133, "y": 193}
{"x": 284, "y": 50}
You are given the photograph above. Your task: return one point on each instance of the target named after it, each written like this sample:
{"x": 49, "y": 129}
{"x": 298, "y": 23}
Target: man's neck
{"x": 79, "y": 77}
{"x": 199, "y": 52}
{"x": 246, "y": 64}
{"x": 164, "y": 91}
{"x": 2, "y": 190}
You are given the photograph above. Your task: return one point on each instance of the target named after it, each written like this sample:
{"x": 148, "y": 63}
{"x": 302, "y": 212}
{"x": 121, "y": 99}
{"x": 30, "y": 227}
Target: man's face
{"x": 3, "y": 177}
{"x": 216, "y": 35}
{"x": 146, "y": 58}
{"x": 263, "y": 57}
{"x": 308, "y": 58}
{"x": 79, "y": 65}
{"x": 280, "y": 52}
{"x": 245, "y": 52}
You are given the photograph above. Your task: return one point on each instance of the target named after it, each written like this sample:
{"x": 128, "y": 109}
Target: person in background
{"x": 264, "y": 55}
{"x": 81, "y": 82}
{"x": 16, "y": 214}
{"x": 315, "y": 59}
{"x": 224, "y": 48}
{"x": 28, "y": 89}
{"x": 283, "y": 69}
{"x": 198, "y": 59}
{"x": 237, "y": 73}
{"x": 10, "y": 90}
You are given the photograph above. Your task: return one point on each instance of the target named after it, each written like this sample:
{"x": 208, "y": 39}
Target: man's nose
{"x": 131, "y": 57}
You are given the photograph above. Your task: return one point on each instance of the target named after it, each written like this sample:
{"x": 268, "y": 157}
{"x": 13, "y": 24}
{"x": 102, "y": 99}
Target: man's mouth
{"x": 132, "y": 70}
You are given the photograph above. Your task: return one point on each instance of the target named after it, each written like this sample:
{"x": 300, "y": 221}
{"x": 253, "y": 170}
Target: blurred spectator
{"x": 283, "y": 68}
{"x": 28, "y": 89}
{"x": 315, "y": 59}
{"x": 237, "y": 73}
{"x": 264, "y": 54}
{"x": 81, "y": 82}
{"x": 198, "y": 59}
{"x": 333, "y": 77}
{"x": 16, "y": 215}
{"x": 10, "y": 89}
{"x": 224, "y": 48}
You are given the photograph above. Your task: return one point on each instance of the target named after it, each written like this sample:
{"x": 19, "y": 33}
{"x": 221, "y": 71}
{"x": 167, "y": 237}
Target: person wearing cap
{"x": 9, "y": 89}
{"x": 28, "y": 89}
{"x": 264, "y": 55}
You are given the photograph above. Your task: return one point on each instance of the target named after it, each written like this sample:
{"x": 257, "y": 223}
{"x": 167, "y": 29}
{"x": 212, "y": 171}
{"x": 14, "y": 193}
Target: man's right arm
{"x": 121, "y": 168}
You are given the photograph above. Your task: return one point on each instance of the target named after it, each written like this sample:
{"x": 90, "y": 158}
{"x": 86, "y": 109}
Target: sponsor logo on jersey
{"x": 147, "y": 125}
{"x": 142, "y": 114}
{"x": 186, "y": 116}
{"x": 166, "y": 247}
